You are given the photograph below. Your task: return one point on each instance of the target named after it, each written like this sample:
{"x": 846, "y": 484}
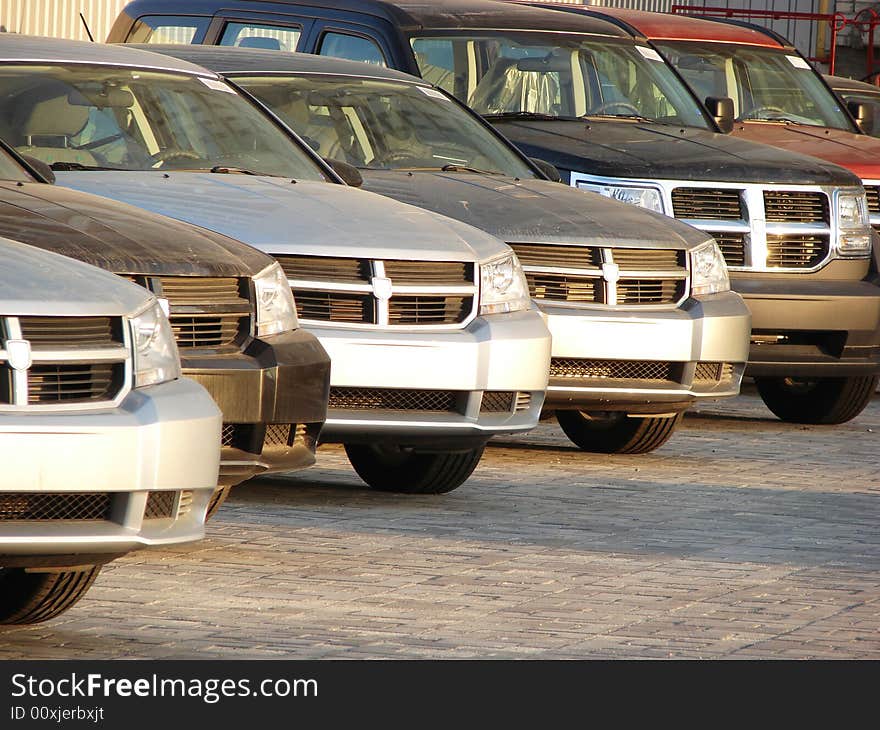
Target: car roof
{"x": 413, "y": 15}
{"x": 228, "y": 60}
{"x": 840, "y": 83}
{"x": 661, "y": 26}
{"x": 15, "y": 48}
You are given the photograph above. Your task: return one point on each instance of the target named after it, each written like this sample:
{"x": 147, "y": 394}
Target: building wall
{"x": 60, "y": 18}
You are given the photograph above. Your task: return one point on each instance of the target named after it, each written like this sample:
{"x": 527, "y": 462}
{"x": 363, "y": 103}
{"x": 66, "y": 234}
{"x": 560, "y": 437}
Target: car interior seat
{"x": 48, "y": 127}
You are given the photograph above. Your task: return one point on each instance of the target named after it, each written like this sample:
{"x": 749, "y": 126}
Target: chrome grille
{"x": 523, "y": 401}
{"x": 572, "y": 368}
{"x": 206, "y": 312}
{"x": 74, "y": 360}
{"x": 160, "y": 505}
{"x": 29, "y": 507}
{"x": 759, "y": 228}
{"x": 733, "y": 247}
{"x": 796, "y": 206}
{"x": 497, "y": 401}
{"x": 713, "y": 372}
{"x": 707, "y": 203}
{"x": 796, "y": 251}
{"x": 613, "y": 276}
{"x": 387, "y": 293}
{"x": 391, "y": 399}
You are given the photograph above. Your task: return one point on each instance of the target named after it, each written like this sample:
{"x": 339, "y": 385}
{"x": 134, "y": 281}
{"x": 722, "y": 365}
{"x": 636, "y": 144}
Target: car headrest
{"x": 268, "y": 44}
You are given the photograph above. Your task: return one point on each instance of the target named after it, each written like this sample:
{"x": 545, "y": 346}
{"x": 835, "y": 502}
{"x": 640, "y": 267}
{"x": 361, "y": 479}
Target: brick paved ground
{"x": 741, "y": 538}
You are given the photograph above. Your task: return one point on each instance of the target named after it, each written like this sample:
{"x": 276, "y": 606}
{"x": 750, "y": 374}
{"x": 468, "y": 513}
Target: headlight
{"x": 854, "y": 236}
{"x": 643, "y": 197}
{"x": 276, "y": 311}
{"x": 155, "y": 351}
{"x": 503, "y": 286}
{"x": 708, "y": 270}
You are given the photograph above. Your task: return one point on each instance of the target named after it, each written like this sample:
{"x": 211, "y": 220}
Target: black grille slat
{"x": 71, "y": 331}
{"x": 325, "y": 268}
{"x": 278, "y": 434}
{"x": 391, "y": 399}
{"x": 73, "y": 383}
{"x": 707, "y": 204}
{"x": 334, "y": 306}
{"x": 425, "y": 309}
{"x": 30, "y": 507}
{"x": 210, "y": 329}
{"x": 565, "y": 288}
{"x": 434, "y": 273}
{"x": 575, "y": 368}
{"x": 733, "y": 247}
{"x": 796, "y": 250}
{"x": 795, "y": 206}
{"x": 649, "y": 291}
{"x": 873, "y": 193}
{"x": 560, "y": 257}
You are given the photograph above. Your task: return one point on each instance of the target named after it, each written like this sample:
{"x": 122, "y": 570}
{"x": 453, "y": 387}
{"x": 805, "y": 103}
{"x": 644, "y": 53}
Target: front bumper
{"x": 817, "y": 328}
{"x": 660, "y": 350}
{"x": 161, "y": 439}
{"x": 274, "y": 385}
{"x": 501, "y": 353}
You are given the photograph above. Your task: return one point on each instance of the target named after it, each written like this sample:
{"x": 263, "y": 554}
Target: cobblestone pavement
{"x": 742, "y": 537}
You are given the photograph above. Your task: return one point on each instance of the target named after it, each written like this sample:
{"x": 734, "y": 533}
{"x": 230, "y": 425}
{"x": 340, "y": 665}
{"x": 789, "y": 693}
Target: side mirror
{"x": 349, "y": 173}
{"x": 721, "y": 110}
{"x": 549, "y": 170}
{"x": 40, "y": 167}
{"x": 862, "y": 114}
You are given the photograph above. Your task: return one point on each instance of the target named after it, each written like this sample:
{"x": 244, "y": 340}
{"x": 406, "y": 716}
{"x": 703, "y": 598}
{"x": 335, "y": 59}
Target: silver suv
{"x": 104, "y": 447}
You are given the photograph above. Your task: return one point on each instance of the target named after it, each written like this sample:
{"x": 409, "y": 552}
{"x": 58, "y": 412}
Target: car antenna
{"x": 86, "y": 26}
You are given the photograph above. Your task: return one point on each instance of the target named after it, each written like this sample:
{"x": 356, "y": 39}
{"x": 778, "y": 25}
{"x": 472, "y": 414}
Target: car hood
{"x": 276, "y": 216}
{"x": 533, "y": 211}
{"x": 117, "y": 237}
{"x": 655, "y": 151}
{"x": 857, "y": 152}
{"x": 41, "y": 283}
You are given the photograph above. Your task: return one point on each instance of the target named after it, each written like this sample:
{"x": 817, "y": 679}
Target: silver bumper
{"x": 502, "y": 352}
{"x": 160, "y": 439}
{"x": 708, "y": 329}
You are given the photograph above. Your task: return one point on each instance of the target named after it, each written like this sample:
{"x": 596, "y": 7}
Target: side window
{"x": 352, "y": 47}
{"x": 436, "y": 60}
{"x": 179, "y": 29}
{"x": 253, "y": 35}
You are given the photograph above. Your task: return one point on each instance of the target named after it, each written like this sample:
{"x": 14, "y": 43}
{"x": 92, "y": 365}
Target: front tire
{"x": 397, "y": 469}
{"x": 29, "y": 598}
{"x": 617, "y": 433}
{"x": 821, "y": 401}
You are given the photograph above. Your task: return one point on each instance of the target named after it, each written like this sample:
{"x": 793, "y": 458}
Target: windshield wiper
{"x": 67, "y": 166}
{"x": 636, "y": 117}
{"x": 231, "y": 170}
{"x": 535, "y": 116}
{"x": 780, "y": 120}
{"x": 465, "y": 168}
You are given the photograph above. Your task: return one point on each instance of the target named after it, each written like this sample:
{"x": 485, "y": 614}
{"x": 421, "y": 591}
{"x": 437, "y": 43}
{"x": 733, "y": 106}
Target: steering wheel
{"x": 757, "y": 111}
{"x": 173, "y": 153}
{"x": 602, "y": 108}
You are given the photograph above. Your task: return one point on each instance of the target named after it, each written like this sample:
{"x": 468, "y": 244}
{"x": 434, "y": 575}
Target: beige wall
{"x": 60, "y": 18}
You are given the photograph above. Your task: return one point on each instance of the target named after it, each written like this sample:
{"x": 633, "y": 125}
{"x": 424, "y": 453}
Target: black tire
{"x": 395, "y": 469}
{"x": 29, "y": 598}
{"x": 823, "y": 401}
{"x": 217, "y": 500}
{"x": 617, "y": 433}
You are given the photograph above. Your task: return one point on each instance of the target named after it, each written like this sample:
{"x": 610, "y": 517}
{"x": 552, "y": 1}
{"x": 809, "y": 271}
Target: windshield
{"x": 535, "y": 73}
{"x": 384, "y": 125}
{"x": 765, "y": 84}
{"x": 96, "y": 118}
{"x": 10, "y": 169}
